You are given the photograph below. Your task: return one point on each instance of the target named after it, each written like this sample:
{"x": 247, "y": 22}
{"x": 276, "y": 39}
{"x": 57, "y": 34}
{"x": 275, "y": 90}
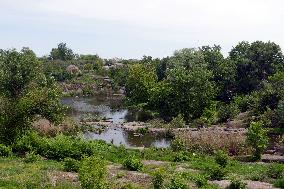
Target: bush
{"x": 257, "y": 139}
{"x": 177, "y": 122}
{"x": 71, "y": 165}
{"x": 275, "y": 171}
{"x": 158, "y": 179}
{"x": 177, "y": 182}
{"x": 93, "y": 173}
{"x": 133, "y": 164}
{"x": 178, "y": 145}
{"x": 221, "y": 158}
{"x": 181, "y": 156}
{"x": 32, "y": 157}
{"x": 5, "y": 151}
{"x": 237, "y": 184}
{"x": 200, "y": 181}
{"x": 227, "y": 111}
{"x": 279, "y": 183}
{"x": 217, "y": 173}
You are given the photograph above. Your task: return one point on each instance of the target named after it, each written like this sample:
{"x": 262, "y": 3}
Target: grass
{"x": 15, "y": 173}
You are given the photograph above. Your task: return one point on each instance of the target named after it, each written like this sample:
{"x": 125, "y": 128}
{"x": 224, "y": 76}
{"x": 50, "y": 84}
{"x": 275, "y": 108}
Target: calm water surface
{"x": 111, "y": 108}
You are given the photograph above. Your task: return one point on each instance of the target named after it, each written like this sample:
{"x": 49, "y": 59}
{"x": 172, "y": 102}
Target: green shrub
{"x": 221, "y": 158}
{"x": 177, "y": 182}
{"x": 32, "y": 157}
{"x": 237, "y": 184}
{"x": 275, "y": 171}
{"x": 178, "y": 145}
{"x": 200, "y": 181}
{"x": 217, "y": 173}
{"x": 71, "y": 165}
{"x": 279, "y": 183}
{"x": 257, "y": 138}
{"x": 227, "y": 111}
{"x": 177, "y": 122}
{"x": 93, "y": 173}
{"x": 5, "y": 151}
{"x": 158, "y": 179}
{"x": 133, "y": 164}
{"x": 143, "y": 130}
{"x": 181, "y": 156}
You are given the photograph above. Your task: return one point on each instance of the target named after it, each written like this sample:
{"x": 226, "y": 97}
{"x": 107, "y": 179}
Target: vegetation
{"x": 192, "y": 88}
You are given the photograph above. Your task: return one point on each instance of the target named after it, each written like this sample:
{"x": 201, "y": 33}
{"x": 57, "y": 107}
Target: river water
{"x": 110, "y": 107}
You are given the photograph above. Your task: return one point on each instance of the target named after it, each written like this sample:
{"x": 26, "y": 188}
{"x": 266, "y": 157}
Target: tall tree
{"x": 62, "y": 52}
{"x": 25, "y": 93}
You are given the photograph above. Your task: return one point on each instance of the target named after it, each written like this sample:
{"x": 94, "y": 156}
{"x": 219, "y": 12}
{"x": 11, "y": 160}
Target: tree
{"x": 224, "y": 72}
{"x": 141, "y": 79}
{"x": 62, "y": 52}
{"x": 255, "y": 62}
{"x": 25, "y": 93}
{"x": 257, "y": 138}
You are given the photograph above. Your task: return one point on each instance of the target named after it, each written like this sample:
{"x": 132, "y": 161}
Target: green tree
{"x": 141, "y": 79}
{"x": 25, "y": 93}
{"x": 255, "y": 62}
{"x": 257, "y": 138}
{"x": 62, "y": 52}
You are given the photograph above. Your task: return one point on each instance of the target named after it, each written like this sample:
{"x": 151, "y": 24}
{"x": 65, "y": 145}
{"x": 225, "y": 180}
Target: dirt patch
{"x": 57, "y": 177}
{"x": 250, "y": 184}
{"x": 124, "y": 176}
{"x": 272, "y": 158}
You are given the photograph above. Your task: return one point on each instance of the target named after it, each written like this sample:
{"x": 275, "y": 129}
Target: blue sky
{"x": 133, "y": 28}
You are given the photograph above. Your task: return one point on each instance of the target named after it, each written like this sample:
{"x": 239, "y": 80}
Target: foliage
{"x": 255, "y": 62}
{"x": 237, "y": 184}
{"x": 5, "y": 151}
{"x": 275, "y": 171}
{"x": 177, "y": 182}
{"x": 71, "y": 164}
{"x": 217, "y": 173}
{"x": 141, "y": 78}
{"x": 62, "y": 52}
{"x": 133, "y": 164}
{"x": 178, "y": 145}
{"x": 93, "y": 173}
{"x": 177, "y": 122}
{"x": 279, "y": 183}
{"x": 257, "y": 139}
{"x": 158, "y": 179}
{"x": 221, "y": 158}
{"x": 31, "y": 157}
{"x": 24, "y": 93}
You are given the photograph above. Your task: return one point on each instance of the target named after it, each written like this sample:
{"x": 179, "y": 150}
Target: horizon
{"x": 131, "y": 29}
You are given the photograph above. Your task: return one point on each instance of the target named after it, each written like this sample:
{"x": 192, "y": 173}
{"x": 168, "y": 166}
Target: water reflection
{"x": 111, "y": 108}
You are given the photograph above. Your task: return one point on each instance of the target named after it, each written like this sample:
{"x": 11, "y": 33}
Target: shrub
{"x": 177, "y": 145}
{"x": 200, "y": 181}
{"x": 227, "y": 111}
{"x": 32, "y": 157}
{"x": 217, "y": 173}
{"x": 279, "y": 183}
{"x": 177, "y": 122}
{"x": 92, "y": 173}
{"x": 5, "y": 151}
{"x": 257, "y": 139}
{"x": 221, "y": 158}
{"x": 181, "y": 156}
{"x": 275, "y": 171}
{"x": 237, "y": 184}
{"x": 158, "y": 179}
{"x": 71, "y": 165}
{"x": 177, "y": 182}
{"x": 132, "y": 164}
